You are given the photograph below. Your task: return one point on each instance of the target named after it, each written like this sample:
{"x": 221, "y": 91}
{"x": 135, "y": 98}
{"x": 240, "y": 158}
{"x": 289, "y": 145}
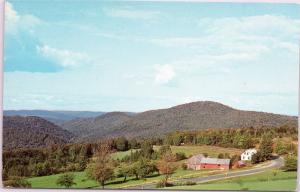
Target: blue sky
{"x": 136, "y": 56}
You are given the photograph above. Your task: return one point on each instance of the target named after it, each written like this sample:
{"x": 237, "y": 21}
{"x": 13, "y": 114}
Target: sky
{"x": 137, "y": 56}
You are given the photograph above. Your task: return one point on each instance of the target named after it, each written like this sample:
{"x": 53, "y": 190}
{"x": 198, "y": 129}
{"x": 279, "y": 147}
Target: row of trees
{"x": 238, "y": 138}
{"x": 57, "y": 158}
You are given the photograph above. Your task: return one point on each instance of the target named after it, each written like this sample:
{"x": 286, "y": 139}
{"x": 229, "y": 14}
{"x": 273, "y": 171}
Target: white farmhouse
{"x": 247, "y": 155}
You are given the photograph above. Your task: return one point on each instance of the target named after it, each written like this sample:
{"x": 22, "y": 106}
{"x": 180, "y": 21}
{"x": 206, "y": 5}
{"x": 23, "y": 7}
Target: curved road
{"x": 279, "y": 162}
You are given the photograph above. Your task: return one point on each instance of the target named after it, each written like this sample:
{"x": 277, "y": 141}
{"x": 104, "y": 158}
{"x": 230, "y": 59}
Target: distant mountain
{"x": 25, "y": 132}
{"x": 191, "y": 116}
{"x": 57, "y": 117}
{"x": 93, "y": 128}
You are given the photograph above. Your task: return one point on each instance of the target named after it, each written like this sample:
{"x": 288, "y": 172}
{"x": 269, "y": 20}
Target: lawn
{"x": 82, "y": 181}
{"x": 283, "y": 181}
{"x": 121, "y": 154}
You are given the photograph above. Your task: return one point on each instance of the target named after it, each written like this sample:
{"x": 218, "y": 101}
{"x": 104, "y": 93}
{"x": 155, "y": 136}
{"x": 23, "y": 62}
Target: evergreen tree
{"x": 265, "y": 147}
{"x": 66, "y": 180}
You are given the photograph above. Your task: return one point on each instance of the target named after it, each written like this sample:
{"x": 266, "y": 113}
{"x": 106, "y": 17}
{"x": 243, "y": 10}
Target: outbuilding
{"x": 215, "y": 163}
{"x": 247, "y": 155}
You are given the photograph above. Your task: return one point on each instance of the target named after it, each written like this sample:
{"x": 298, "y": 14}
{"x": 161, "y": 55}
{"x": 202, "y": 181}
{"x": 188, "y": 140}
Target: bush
{"x": 290, "y": 163}
{"x": 190, "y": 183}
{"x": 66, "y": 180}
{"x": 17, "y": 182}
{"x": 180, "y": 156}
{"x": 184, "y": 166}
{"x": 185, "y": 183}
{"x": 160, "y": 184}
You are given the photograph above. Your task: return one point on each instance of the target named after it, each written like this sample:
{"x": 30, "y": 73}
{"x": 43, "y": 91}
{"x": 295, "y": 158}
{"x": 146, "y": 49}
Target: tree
{"x": 122, "y": 144}
{"x": 124, "y": 171}
{"x": 66, "y": 180}
{"x": 133, "y": 144}
{"x": 146, "y": 149}
{"x": 257, "y": 158}
{"x": 166, "y": 166}
{"x": 265, "y": 147}
{"x": 102, "y": 169}
{"x": 17, "y": 182}
{"x": 145, "y": 168}
{"x": 180, "y": 156}
{"x": 280, "y": 148}
{"x": 164, "y": 149}
{"x": 290, "y": 163}
{"x": 177, "y": 139}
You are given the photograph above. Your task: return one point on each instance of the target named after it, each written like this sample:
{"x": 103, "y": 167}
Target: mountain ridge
{"x": 188, "y": 116}
{"x": 32, "y": 132}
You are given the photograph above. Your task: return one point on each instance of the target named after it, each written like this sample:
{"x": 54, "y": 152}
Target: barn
{"x": 199, "y": 162}
{"x": 195, "y": 162}
{"x": 215, "y": 163}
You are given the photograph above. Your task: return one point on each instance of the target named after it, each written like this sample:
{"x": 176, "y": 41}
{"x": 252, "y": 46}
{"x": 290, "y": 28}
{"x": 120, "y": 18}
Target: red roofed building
{"x": 214, "y": 163}
{"x": 199, "y": 162}
{"x": 194, "y": 162}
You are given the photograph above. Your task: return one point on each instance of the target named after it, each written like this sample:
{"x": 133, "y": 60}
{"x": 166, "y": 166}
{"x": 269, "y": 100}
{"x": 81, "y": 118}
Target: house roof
{"x": 215, "y": 161}
{"x": 249, "y": 152}
{"x": 196, "y": 159}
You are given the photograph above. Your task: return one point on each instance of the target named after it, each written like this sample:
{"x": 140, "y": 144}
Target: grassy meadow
{"x": 267, "y": 181}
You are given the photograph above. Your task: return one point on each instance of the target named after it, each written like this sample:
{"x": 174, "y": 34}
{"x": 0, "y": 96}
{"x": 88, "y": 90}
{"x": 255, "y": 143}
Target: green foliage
{"x": 265, "y": 147}
{"x": 133, "y": 144}
{"x": 164, "y": 149}
{"x": 66, "y": 180}
{"x": 102, "y": 169}
{"x": 184, "y": 166}
{"x": 257, "y": 158}
{"x": 280, "y": 148}
{"x": 121, "y": 144}
{"x": 146, "y": 149}
{"x": 17, "y": 182}
{"x": 180, "y": 156}
{"x": 290, "y": 163}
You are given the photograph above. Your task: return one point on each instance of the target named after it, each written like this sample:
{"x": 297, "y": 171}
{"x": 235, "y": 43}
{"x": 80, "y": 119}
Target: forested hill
{"x": 24, "y": 132}
{"x": 191, "y": 116}
{"x": 54, "y": 116}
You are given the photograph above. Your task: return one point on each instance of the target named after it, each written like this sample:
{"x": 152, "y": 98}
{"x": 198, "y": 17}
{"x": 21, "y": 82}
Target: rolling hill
{"x": 56, "y": 117}
{"x": 93, "y": 128}
{"x": 31, "y": 132}
{"x": 190, "y": 116}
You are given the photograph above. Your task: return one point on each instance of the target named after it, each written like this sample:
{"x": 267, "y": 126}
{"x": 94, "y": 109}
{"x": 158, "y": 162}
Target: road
{"x": 279, "y": 162}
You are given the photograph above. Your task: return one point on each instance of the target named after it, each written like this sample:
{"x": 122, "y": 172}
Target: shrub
{"x": 184, "y": 166}
{"x": 160, "y": 184}
{"x": 17, "y": 182}
{"x": 180, "y": 156}
{"x": 66, "y": 180}
{"x": 190, "y": 183}
{"x": 290, "y": 163}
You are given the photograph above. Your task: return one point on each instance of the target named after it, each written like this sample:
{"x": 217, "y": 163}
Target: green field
{"x": 82, "y": 181}
{"x": 283, "y": 181}
{"x": 121, "y": 154}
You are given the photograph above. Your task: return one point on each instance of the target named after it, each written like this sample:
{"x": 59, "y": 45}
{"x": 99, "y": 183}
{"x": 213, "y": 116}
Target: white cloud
{"x": 164, "y": 74}
{"x": 11, "y": 16}
{"x": 66, "y": 58}
{"x": 15, "y": 21}
{"x": 131, "y": 14}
